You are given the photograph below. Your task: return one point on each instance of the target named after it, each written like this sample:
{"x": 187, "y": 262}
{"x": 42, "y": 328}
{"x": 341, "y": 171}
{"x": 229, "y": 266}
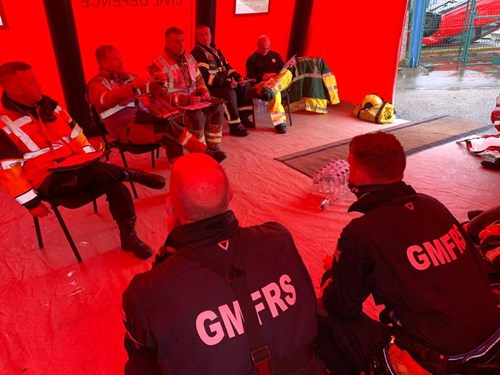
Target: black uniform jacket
{"x": 186, "y": 314}
{"x": 412, "y": 254}
{"x": 258, "y": 64}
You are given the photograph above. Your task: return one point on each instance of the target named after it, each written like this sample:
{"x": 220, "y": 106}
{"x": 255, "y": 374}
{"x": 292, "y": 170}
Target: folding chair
{"x": 286, "y": 103}
{"x": 125, "y": 147}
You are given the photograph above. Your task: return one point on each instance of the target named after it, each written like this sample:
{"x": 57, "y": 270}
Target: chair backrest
{"x": 98, "y": 124}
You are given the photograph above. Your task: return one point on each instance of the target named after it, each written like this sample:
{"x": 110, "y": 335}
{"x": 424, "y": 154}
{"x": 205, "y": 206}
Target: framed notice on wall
{"x": 3, "y": 19}
{"x": 251, "y": 6}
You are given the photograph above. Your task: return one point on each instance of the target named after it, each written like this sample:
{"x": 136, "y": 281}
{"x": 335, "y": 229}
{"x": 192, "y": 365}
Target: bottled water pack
{"x": 331, "y": 181}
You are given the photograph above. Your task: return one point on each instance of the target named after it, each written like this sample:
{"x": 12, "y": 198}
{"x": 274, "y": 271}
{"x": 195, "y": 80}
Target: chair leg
{"x": 38, "y": 232}
{"x": 288, "y": 108}
{"x": 67, "y": 234}
{"x": 153, "y": 158}
{"x": 125, "y": 164}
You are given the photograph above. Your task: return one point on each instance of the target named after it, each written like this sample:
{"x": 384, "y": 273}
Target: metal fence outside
{"x": 454, "y": 32}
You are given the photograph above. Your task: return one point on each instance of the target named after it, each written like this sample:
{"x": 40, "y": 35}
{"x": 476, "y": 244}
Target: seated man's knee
{"x": 195, "y": 120}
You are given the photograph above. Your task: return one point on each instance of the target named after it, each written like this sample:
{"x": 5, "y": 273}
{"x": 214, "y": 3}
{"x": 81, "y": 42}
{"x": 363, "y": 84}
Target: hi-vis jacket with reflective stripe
{"x": 104, "y": 96}
{"x": 176, "y": 81}
{"x": 33, "y": 139}
{"x": 313, "y": 85}
{"x": 214, "y": 67}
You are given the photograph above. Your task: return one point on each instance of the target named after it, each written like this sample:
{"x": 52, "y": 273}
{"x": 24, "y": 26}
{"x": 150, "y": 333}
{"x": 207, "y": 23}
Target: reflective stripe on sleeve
{"x": 101, "y": 98}
{"x": 7, "y": 164}
{"x": 76, "y": 130}
{"x": 34, "y": 154}
{"x": 88, "y": 149}
{"x": 26, "y": 197}
{"x": 115, "y": 109}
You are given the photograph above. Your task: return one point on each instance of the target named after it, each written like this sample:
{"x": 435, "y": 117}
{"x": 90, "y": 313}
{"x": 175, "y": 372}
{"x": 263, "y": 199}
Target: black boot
{"x": 216, "y": 154}
{"x": 266, "y": 94}
{"x": 130, "y": 241}
{"x": 150, "y": 180}
{"x": 246, "y": 122}
{"x": 238, "y": 130}
{"x": 281, "y": 128}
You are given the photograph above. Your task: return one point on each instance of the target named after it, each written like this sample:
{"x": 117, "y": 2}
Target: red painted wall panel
{"x": 360, "y": 41}
{"x": 236, "y": 35}
{"x": 135, "y": 27}
{"x": 28, "y": 39}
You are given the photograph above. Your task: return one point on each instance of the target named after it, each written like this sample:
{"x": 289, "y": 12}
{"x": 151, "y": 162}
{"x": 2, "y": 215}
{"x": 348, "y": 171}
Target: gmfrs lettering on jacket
{"x": 439, "y": 251}
{"x": 227, "y": 320}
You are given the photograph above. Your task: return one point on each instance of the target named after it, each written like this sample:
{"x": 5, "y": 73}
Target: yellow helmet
{"x": 371, "y": 101}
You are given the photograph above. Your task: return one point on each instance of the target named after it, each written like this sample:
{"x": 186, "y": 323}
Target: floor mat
{"x": 414, "y": 136}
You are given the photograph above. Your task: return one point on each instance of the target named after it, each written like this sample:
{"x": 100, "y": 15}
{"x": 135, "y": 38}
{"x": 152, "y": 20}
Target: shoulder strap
{"x": 379, "y": 112}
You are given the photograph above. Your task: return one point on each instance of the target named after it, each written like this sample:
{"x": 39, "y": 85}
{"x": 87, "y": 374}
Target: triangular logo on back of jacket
{"x": 224, "y": 245}
{"x": 409, "y": 206}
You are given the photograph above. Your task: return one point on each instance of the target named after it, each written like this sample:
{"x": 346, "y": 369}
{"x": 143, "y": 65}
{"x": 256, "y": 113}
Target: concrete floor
{"x": 468, "y": 93}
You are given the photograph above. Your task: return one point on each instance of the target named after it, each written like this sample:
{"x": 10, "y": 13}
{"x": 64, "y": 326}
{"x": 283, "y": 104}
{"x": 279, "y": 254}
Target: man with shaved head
{"x": 263, "y": 63}
{"x": 229, "y": 299}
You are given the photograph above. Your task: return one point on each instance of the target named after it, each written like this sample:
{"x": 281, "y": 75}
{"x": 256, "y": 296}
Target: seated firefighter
{"x": 263, "y": 63}
{"x": 203, "y": 116}
{"x": 229, "y": 299}
{"x": 311, "y": 87}
{"x": 412, "y": 255}
{"x": 36, "y": 134}
{"x": 116, "y": 96}
{"x": 224, "y": 82}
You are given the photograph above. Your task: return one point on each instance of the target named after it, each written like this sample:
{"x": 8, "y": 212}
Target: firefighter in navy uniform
{"x": 413, "y": 256}
{"x": 263, "y": 63}
{"x": 224, "y": 82}
{"x": 36, "y": 133}
{"x": 230, "y": 300}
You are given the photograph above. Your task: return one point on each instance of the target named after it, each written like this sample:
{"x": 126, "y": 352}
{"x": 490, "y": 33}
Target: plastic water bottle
{"x": 325, "y": 203}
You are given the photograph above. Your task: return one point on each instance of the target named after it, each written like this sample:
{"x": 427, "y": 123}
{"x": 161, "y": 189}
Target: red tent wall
{"x": 360, "y": 41}
{"x": 135, "y": 27}
{"x": 236, "y": 35}
{"x": 28, "y": 39}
